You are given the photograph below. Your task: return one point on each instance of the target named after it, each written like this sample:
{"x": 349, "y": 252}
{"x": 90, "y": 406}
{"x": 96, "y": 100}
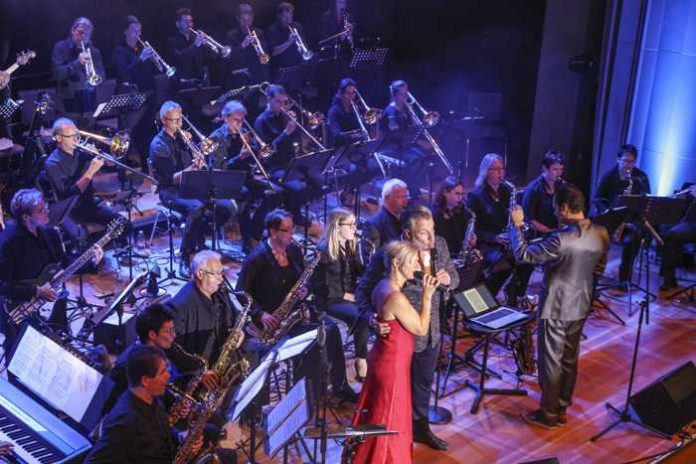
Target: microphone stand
{"x": 323, "y": 397}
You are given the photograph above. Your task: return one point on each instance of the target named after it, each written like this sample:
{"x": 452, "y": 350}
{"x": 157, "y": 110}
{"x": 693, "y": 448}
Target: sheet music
{"x": 57, "y": 376}
{"x": 251, "y": 386}
{"x": 475, "y": 300}
{"x": 296, "y": 345}
{"x": 288, "y": 417}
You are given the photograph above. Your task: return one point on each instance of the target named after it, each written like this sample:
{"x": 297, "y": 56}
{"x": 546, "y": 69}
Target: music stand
{"x": 198, "y": 96}
{"x": 369, "y": 57}
{"x": 291, "y": 347}
{"x": 300, "y": 166}
{"x": 285, "y": 420}
{"x": 294, "y": 77}
{"x": 9, "y": 107}
{"x": 120, "y": 104}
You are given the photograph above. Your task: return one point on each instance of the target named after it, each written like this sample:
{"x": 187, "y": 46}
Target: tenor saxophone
{"x": 183, "y": 404}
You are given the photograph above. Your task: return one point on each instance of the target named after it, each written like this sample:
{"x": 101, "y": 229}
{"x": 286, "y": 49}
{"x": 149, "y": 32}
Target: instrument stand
{"x": 438, "y": 414}
{"x": 130, "y": 205}
{"x": 322, "y": 395}
{"x": 624, "y": 414}
{"x": 171, "y": 273}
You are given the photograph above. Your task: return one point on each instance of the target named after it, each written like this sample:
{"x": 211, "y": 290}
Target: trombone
{"x": 258, "y": 48}
{"x": 118, "y": 144}
{"x": 370, "y": 115}
{"x": 265, "y": 150}
{"x": 205, "y": 146}
{"x": 301, "y": 47}
{"x": 161, "y": 65}
{"x": 430, "y": 118}
{"x": 222, "y": 50}
{"x": 118, "y": 141}
{"x": 93, "y": 78}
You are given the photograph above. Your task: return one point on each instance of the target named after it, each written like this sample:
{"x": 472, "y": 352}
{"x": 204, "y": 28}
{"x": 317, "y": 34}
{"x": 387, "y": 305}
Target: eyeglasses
{"x": 41, "y": 209}
{"x": 169, "y": 330}
{"x": 347, "y": 224}
{"x": 218, "y": 273}
{"x": 285, "y": 231}
{"x": 75, "y": 136}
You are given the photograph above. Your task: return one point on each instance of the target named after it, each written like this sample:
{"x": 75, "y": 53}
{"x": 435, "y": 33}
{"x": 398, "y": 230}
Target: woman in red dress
{"x": 386, "y": 394}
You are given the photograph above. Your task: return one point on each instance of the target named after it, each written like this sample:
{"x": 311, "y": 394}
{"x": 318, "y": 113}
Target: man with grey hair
{"x": 230, "y": 153}
{"x": 419, "y": 229}
{"x": 385, "y": 225}
{"x": 69, "y": 62}
{"x": 203, "y": 313}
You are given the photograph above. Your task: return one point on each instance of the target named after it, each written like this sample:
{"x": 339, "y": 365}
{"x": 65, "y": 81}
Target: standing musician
{"x": 623, "y": 179}
{"x": 451, "y": 215}
{"x": 136, "y": 72}
{"x": 137, "y": 428}
{"x": 71, "y": 59}
{"x": 283, "y": 43}
{"x": 572, "y": 257}
{"x": 676, "y": 237}
{"x": 187, "y": 55}
{"x": 398, "y": 142}
{"x": 491, "y": 201}
{"x": 69, "y": 172}
{"x": 335, "y": 279}
{"x": 537, "y": 200}
{"x": 168, "y": 161}
{"x": 267, "y": 275}
{"x": 245, "y": 61}
{"x": 277, "y": 129}
{"x": 434, "y": 259}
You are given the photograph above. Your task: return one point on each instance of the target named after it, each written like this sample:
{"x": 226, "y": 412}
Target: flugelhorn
{"x": 93, "y": 78}
{"x": 258, "y": 48}
{"x": 161, "y": 65}
{"x": 222, "y": 50}
{"x": 118, "y": 144}
{"x": 301, "y": 47}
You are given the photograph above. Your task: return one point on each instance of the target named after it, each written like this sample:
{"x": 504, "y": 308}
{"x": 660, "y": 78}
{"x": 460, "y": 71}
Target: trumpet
{"x": 258, "y": 48}
{"x": 161, "y": 65}
{"x": 222, "y": 50}
{"x": 301, "y": 47}
{"x": 118, "y": 144}
{"x": 429, "y": 118}
{"x": 93, "y": 78}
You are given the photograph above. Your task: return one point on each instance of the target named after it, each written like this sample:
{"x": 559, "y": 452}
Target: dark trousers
{"x": 675, "y": 238}
{"x": 558, "y": 346}
{"x": 422, "y": 372}
{"x": 359, "y": 324}
{"x": 630, "y": 239}
{"x": 500, "y": 266}
{"x": 89, "y": 210}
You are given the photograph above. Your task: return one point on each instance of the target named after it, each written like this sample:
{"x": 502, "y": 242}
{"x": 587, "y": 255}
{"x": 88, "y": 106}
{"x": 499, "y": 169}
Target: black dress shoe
{"x": 423, "y": 434}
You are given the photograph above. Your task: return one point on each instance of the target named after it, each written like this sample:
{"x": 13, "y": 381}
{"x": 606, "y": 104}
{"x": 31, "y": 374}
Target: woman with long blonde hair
{"x": 336, "y": 277}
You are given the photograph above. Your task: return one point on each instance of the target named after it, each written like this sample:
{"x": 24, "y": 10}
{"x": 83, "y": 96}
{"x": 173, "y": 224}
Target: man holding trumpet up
{"x": 169, "y": 159}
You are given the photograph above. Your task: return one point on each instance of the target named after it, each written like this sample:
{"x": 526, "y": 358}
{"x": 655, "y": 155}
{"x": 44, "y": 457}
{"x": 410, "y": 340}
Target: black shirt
{"x": 397, "y": 128}
{"x": 130, "y": 68}
{"x": 241, "y": 58}
{"x": 333, "y": 278}
{"x": 201, "y": 323}
{"x": 491, "y": 212}
{"x": 186, "y": 57}
{"x": 227, "y": 154}
{"x": 537, "y": 203}
{"x": 278, "y": 35}
{"x": 452, "y": 228}
{"x": 64, "y": 170}
{"x": 611, "y": 187}
{"x": 78, "y": 96}
{"x": 167, "y": 157}
{"x": 262, "y": 277}
{"x": 134, "y": 431}
{"x": 271, "y": 129}
{"x": 382, "y": 227}
{"x": 23, "y": 256}
{"x": 342, "y": 125}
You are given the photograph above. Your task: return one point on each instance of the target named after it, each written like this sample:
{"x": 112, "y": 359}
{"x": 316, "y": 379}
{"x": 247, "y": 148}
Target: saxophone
{"x": 468, "y": 253}
{"x": 184, "y": 400}
{"x": 627, "y": 191}
{"x": 523, "y": 344}
{"x": 287, "y": 313}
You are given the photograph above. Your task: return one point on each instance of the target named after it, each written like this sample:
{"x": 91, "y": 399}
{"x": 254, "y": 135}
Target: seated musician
{"x": 537, "y": 200}
{"x": 282, "y": 44}
{"x": 137, "y": 428}
{"x": 399, "y": 142}
{"x": 69, "y": 172}
{"x": 267, "y": 275}
{"x": 385, "y": 225}
{"x": 452, "y": 216}
{"x": 244, "y": 65}
{"x": 490, "y": 201}
{"x": 334, "y": 21}
{"x": 185, "y": 51}
{"x": 136, "y": 72}
{"x": 27, "y": 246}
{"x": 676, "y": 237}
{"x": 169, "y": 160}
{"x": 278, "y": 130}
{"x": 335, "y": 278}
{"x": 344, "y": 130}
{"x": 623, "y": 179}
{"x": 69, "y": 62}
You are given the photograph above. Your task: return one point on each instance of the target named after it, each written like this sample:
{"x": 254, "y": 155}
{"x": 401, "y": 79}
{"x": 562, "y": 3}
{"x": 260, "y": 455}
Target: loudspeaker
{"x": 670, "y": 402}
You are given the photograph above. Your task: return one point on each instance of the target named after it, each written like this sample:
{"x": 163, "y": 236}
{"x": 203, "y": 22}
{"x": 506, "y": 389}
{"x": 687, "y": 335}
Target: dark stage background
{"x": 458, "y": 56}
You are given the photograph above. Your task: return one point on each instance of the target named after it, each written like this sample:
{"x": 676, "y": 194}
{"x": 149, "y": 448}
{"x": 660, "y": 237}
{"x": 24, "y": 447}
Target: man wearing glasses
{"x": 69, "y": 173}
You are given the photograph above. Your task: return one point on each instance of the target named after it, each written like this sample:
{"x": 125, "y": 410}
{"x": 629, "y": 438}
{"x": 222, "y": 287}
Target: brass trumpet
{"x": 258, "y": 48}
{"x": 301, "y": 47}
{"x": 93, "y": 78}
{"x": 161, "y": 65}
{"x": 222, "y": 50}
{"x": 118, "y": 144}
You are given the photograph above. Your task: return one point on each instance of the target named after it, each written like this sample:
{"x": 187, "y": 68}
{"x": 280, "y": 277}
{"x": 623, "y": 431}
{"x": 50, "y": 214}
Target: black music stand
{"x": 207, "y": 186}
{"x": 282, "y": 425}
{"x": 369, "y": 57}
{"x": 301, "y": 166}
{"x": 9, "y": 107}
{"x": 120, "y": 104}
{"x": 294, "y": 77}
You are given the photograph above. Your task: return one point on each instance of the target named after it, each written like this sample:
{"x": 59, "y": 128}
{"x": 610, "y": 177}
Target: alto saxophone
{"x": 469, "y": 253}
{"x": 288, "y": 313}
{"x": 627, "y": 191}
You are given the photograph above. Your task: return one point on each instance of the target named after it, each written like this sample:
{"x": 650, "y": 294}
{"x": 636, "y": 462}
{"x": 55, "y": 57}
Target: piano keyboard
{"x": 37, "y": 435}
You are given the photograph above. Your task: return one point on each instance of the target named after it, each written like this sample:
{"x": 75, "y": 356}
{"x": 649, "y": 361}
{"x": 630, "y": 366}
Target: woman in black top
{"x": 451, "y": 215}
{"x": 336, "y": 277}
{"x": 537, "y": 201}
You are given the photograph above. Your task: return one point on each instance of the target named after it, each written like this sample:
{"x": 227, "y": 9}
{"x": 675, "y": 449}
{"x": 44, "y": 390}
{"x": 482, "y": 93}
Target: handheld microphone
{"x": 418, "y": 276}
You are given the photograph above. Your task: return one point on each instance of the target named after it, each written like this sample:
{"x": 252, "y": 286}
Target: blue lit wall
{"x": 663, "y": 120}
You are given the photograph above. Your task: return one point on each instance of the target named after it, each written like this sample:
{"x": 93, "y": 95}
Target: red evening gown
{"x": 386, "y": 399}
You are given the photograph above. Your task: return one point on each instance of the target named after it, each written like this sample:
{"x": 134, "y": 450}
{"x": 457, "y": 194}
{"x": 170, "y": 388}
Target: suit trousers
{"x": 422, "y": 371}
{"x": 558, "y": 346}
